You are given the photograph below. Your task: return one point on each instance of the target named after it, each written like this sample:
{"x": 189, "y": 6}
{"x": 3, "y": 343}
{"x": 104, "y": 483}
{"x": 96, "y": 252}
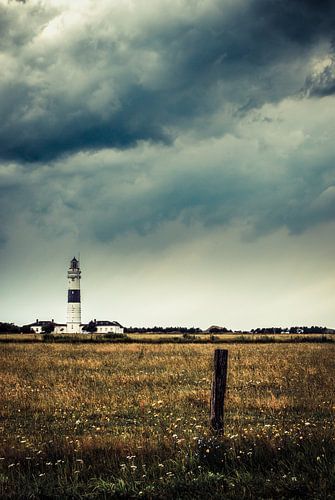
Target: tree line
{"x": 292, "y": 329}
{"x": 162, "y": 329}
{"x": 6, "y": 327}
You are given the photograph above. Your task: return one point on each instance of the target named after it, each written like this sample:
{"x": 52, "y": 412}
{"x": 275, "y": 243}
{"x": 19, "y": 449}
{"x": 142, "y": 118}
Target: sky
{"x": 184, "y": 148}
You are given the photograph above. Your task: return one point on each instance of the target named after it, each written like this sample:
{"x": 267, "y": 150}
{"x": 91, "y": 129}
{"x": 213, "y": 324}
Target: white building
{"x": 108, "y": 327}
{"x": 61, "y": 328}
{"x": 39, "y": 326}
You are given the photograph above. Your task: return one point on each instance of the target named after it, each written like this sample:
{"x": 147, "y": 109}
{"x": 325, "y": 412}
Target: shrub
{"x": 187, "y": 336}
{"x": 48, "y": 337}
{"x": 116, "y": 336}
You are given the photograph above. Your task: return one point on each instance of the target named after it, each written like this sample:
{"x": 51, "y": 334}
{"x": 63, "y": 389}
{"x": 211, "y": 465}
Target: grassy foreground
{"x": 131, "y": 421}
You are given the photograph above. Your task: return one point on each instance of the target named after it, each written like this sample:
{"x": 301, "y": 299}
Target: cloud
{"x": 86, "y": 76}
{"x": 321, "y": 81}
{"x": 175, "y": 114}
{"x": 275, "y": 172}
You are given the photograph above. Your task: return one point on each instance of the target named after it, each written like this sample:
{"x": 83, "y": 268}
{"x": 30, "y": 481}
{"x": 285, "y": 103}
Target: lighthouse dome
{"x": 74, "y": 263}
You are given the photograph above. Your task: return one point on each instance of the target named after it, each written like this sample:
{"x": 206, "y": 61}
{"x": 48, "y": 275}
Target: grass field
{"x": 171, "y": 338}
{"x": 131, "y": 421}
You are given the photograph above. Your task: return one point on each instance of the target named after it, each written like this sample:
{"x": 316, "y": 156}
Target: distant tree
{"x": 91, "y": 327}
{"x": 9, "y": 328}
{"x": 49, "y": 328}
{"x": 161, "y": 329}
{"x": 26, "y": 329}
{"x": 218, "y": 329}
{"x": 292, "y": 330}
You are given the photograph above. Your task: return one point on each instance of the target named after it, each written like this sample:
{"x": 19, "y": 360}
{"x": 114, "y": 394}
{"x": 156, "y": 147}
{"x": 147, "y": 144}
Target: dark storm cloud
{"x": 204, "y": 100}
{"x": 299, "y": 20}
{"x": 112, "y": 83}
{"x": 278, "y": 172}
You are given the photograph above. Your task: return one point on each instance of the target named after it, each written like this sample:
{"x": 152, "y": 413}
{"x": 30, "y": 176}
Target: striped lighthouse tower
{"x": 73, "y": 299}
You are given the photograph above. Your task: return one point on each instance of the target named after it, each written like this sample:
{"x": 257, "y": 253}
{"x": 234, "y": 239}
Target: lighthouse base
{"x": 73, "y": 328}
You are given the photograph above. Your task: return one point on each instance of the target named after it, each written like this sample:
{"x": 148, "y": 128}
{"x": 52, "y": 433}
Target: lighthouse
{"x": 73, "y": 298}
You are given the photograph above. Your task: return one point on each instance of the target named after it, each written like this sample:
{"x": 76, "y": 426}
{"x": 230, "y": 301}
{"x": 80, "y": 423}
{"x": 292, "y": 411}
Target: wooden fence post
{"x": 219, "y": 389}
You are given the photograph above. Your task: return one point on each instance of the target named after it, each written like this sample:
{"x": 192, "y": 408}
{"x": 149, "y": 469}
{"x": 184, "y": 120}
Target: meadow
{"x": 131, "y": 421}
{"x": 162, "y": 338}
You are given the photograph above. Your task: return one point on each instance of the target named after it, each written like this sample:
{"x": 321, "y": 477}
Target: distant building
{"x": 40, "y": 325}
{"x": 108, "y": 327}
{"x": 74, "y": 324}
{"x": 59, "y": 328}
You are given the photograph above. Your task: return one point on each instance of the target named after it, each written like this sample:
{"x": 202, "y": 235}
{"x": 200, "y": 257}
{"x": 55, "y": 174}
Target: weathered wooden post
{"x": 219, "y": 389}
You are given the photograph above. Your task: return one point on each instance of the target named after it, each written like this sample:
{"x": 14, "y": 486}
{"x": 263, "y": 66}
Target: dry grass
{"x": 132, "y": 420}
{"x": 172, "y": 337}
